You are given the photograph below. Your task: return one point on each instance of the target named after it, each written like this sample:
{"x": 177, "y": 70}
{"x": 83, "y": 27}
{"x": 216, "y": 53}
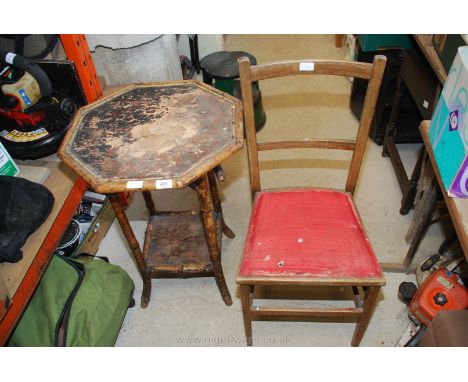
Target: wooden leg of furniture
{"x": 421, "y": 220}
{"x": 134, "y": 246}
{"x": 389, "y": 146}
{"x": 390, "y": 129}
{"x": 408, "y": 186}
{"x": 370, "y": 300}
{"x": 217, "y": 204}
{"x": 149, "y": 202}
{"x": 209, "y": 225}
{"x": 246, "y": 306}
{"x": 338, "y": 40}
{"x": 407, "y": 202}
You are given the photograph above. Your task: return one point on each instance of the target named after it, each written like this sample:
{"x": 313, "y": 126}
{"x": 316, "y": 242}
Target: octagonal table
{"x": 155, "y": 136}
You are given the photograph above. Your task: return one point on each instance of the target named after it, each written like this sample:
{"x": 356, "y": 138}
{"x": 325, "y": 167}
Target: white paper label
{"x": 425, "y": 104}
{"x": 306, "y": 66}
{"x": 163, "y": 183}
{"x": 135, "y": 184}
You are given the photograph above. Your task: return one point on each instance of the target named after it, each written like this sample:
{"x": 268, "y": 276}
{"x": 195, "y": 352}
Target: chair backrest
{"x": 248, "y": 74}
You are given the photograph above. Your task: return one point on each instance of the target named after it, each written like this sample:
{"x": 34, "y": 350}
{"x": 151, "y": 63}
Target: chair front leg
{"x": 245, "y": 299}
{"x": 370, "y": 300}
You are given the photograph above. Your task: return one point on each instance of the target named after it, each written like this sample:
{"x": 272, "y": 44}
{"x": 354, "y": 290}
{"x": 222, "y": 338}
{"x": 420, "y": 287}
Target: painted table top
{"x": 151, "y": 136}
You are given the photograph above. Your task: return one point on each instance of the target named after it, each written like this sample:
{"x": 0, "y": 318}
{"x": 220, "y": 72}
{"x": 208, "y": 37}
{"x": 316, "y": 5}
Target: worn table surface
{"x": 150, "y": 136}
{"x": 458, "y": 207}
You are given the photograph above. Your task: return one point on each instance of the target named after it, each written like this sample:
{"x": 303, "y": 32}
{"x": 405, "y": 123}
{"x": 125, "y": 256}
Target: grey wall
{"x": 125, "y": 59}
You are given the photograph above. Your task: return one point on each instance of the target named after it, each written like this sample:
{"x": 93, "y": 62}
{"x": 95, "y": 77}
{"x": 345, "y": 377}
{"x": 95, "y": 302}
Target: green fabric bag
{"x": 79, "y": 302}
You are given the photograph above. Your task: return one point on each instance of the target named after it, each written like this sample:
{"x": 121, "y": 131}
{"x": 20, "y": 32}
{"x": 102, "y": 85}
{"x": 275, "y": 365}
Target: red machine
{"x": 23, "y": 86}
{"x": 441, "y": 291}
{"x": 38, "y": 97}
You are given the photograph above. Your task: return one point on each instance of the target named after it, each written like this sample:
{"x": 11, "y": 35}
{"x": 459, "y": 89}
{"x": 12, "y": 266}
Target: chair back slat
{"x": 248, "y": 74}
{"x": 286, "y": 68}
{"x": 326, "y": 144}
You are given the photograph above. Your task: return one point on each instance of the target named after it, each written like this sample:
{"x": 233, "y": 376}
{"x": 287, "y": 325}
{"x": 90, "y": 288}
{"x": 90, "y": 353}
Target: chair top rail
{"x": 310, "y": 66}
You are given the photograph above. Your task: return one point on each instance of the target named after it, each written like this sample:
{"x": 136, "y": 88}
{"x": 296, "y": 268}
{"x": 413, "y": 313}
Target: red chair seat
{"x": 312, "y": 233}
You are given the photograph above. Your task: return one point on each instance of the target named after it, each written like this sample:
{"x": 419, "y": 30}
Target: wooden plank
{"x": 397, "y": 268}
{"x": 305, "y": 281}
{"x": 175, "y": 244}
{"x": 326, "y": 144}
{"x": 59, "y": 182}
{"x": 318, "y": 312}
{"x": 458, "y": 207}
{"x": 34, "y": 173}
{"x": 4, "y": 298}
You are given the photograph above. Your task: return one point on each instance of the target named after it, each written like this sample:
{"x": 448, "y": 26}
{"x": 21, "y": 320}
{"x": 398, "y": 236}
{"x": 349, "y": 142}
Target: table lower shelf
{"x": 175, "y": 245}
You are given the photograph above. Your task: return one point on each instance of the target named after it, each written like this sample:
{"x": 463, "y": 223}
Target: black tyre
{"x": 37, "y": 141}
{"x": 36, "y": 149}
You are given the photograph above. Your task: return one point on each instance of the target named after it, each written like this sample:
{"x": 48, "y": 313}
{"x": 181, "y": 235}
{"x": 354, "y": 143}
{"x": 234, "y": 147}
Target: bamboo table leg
{"x": 134, "y": 246}
{"x": 149, "y": 203}
{"x": 217, "y": 204}
{"x": 206, "y": 207}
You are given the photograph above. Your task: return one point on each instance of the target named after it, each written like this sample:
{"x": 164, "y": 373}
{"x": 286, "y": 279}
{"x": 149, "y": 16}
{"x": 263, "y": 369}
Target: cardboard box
{"x": 448, "y": 131}
{"x": 7, "y": 165}
{"x": 374, "y": 42}
{"x": 98, "y": 229}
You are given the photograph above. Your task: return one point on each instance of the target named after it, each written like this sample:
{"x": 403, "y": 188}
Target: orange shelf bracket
{"x": 77, "y": 50}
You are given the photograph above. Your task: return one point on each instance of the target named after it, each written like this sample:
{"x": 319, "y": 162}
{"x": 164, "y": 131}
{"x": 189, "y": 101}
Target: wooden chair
{"x": 308, "y": 236}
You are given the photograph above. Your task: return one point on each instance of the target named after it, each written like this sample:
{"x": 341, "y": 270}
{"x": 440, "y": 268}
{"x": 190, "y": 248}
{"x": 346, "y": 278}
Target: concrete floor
{"x": 190, "y": 312}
